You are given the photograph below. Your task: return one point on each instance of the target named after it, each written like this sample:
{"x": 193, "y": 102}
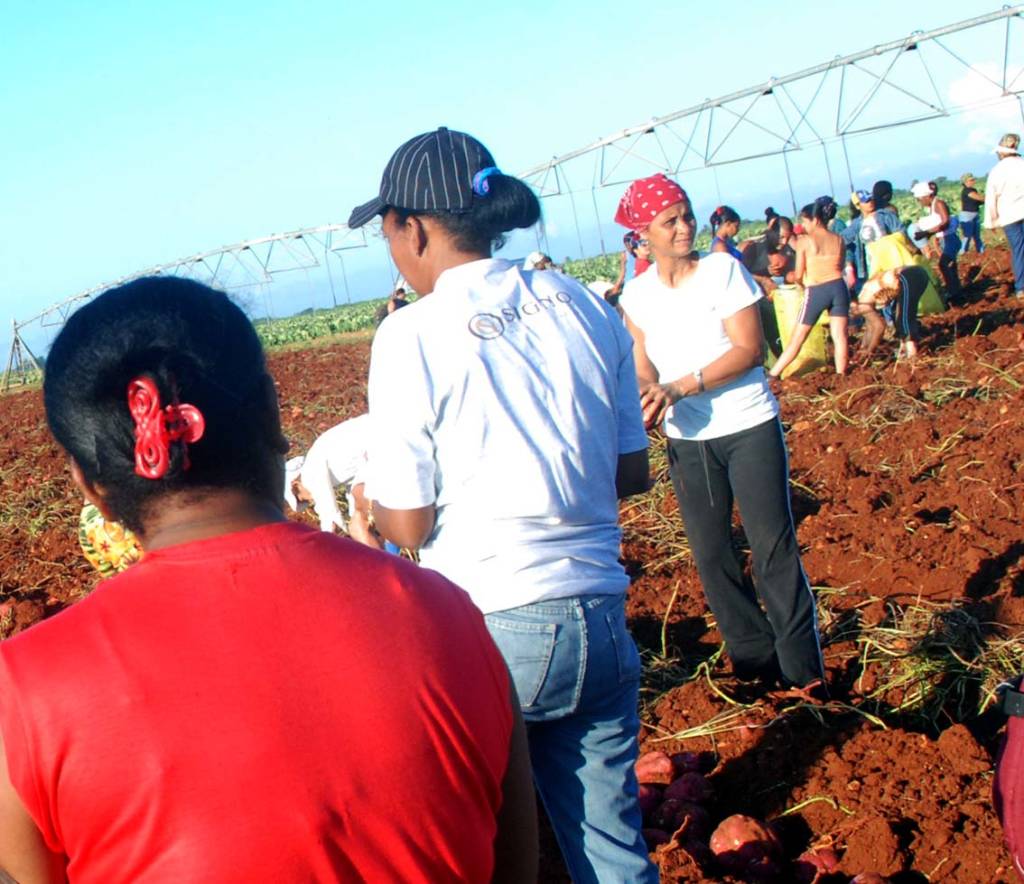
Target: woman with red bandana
{"x": 698, "y": 352}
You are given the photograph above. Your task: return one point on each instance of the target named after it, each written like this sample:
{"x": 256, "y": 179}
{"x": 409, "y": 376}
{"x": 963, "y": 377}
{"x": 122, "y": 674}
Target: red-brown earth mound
{"x": 908, "y": 489}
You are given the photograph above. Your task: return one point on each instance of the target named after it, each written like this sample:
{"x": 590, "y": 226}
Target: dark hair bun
{"x": 509, "y": 204}
{"x": 197, "y": 347}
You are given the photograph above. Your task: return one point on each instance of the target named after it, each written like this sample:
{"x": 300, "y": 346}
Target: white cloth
{"x": 1004, "y": 193}
{"x": 505, "y": 399}
{"x": 336, "y": 457}
{"x": 929, "y": 222}
{"x": 683, "y": 331}
{"x": 531, "y": 261}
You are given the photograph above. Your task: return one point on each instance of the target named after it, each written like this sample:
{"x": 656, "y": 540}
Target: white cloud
{"x": 989, "y": 113}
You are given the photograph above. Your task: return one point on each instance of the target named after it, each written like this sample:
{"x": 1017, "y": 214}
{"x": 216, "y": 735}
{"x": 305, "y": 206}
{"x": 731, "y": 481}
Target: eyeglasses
{"x": 641, "y": 242}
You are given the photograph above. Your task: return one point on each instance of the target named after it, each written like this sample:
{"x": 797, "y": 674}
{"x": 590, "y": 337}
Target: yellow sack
{"x": 788, "y": 299}
{"x": 890, "y": 253}
{"x": 894, "y": 251}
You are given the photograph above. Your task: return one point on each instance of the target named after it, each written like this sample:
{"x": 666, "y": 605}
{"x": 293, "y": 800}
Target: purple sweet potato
{"x": 666, "y": 814}
{"x": 696, "y": 819}
{"x": 688, "y": 762}
{"x": 813, "y": 864}
{"x": 690, "y": 787}
{"x": 656, "y": 837}
{"x": 650, "y": 796}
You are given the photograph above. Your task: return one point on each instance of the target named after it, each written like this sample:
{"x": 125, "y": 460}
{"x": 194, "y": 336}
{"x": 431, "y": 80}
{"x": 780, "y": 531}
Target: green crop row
{"x": 315, "y": 324}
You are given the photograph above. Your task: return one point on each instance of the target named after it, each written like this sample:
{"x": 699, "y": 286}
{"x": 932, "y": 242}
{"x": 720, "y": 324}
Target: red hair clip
{"x": 156, "y": 428}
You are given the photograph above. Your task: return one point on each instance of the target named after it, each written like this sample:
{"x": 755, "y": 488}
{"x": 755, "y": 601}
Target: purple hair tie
{"x": 480, "y": 185}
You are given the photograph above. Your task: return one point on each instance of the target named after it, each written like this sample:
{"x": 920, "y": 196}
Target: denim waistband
{"x": 566, "y": 606}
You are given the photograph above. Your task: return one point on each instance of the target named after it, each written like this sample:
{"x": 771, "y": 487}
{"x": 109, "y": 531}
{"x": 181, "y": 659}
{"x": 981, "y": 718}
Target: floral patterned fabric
{"x": 108, "y": 546}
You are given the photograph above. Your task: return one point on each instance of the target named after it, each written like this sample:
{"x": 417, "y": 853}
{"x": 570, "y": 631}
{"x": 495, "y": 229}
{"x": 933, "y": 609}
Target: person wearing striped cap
{"x": 506, "y": 425}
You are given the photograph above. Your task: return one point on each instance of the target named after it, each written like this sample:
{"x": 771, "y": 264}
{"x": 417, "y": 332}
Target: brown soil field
{"x": 908, "y": 487}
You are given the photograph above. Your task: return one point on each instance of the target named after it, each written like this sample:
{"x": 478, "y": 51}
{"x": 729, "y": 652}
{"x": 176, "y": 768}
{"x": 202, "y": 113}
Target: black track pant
{"x": 750, "y": 466}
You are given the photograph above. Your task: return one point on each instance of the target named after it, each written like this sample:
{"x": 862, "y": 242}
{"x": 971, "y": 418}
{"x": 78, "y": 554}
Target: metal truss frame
{"x": 831, "y": 109}
{"x": 251, "y": 262}
{"x": 771, "y": 118}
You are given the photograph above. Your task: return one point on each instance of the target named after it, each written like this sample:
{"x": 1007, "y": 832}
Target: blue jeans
{"x": 1015, "y": 234}
{"x": 577, "y": 672}
{"x": 970, "y": 230}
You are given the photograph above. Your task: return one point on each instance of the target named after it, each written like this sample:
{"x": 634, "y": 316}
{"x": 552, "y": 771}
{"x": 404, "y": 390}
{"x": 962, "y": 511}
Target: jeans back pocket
{"x": 626, "y": 654}
{"x": 527, "y": 648}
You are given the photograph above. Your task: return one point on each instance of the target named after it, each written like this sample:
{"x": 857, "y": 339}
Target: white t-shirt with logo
{"x": 683, "y": 331}
{"x": 505, "y": 398}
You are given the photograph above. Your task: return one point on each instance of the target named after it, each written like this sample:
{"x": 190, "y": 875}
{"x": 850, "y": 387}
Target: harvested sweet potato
{"x": 656, "y": 837}
{"x": 815, "y": 863}
{"x": 650, "y": 796}
{"x": 746, "y": 846}
{"x": 654, "y": 767}
{"x": 690, "y": 786}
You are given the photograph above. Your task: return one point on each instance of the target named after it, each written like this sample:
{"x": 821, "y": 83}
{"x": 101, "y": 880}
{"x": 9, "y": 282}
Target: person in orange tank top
{"x": 820, "y": 256}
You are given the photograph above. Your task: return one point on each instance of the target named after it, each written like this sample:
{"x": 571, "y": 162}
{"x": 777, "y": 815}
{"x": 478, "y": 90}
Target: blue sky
{"x": 136, "y": 132}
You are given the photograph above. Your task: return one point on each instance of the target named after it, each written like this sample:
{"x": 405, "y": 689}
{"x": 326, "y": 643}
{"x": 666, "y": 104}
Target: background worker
{"x": 938, "y": 223}
{"x": 971, "y": 201}
{"x": 820, "y": 257}
{"x": 337, "y": 458}
{"x": 1004, "y": 202}
{"x": 725, "y": 226}
{"x": 901, "y": 289}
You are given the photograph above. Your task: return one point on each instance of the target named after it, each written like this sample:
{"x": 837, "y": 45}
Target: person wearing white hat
{"x": 537, "y": 261}
{"x": 937, "y": 222}
{"x": 1004, "y": 203}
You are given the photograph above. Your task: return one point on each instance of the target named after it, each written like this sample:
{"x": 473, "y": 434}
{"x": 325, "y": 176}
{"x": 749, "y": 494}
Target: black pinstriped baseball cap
{"x": 432, "y": 172}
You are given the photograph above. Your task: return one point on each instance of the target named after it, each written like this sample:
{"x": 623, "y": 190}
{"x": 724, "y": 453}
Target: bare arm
{"x": 24, "y": 857}
{"x": 942, "y": 210}
{"x": 801, "y": 261}
{"x": 408, "y": 529}
{"x": 516, "y": 847}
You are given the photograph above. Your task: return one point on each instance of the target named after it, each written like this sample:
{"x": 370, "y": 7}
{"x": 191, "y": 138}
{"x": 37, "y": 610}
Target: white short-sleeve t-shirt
{"x": 683, "y": 331}
{"x": 505, "y": 398}
{"x": 336, "y": 457}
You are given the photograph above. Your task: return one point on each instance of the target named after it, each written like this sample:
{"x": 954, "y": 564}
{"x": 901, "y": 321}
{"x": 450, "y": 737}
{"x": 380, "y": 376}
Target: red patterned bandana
{"x": 645, "y": 198}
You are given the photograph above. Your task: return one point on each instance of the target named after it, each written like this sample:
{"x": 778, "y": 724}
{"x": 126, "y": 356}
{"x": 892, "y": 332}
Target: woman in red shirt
{"x": 254, "y": 700}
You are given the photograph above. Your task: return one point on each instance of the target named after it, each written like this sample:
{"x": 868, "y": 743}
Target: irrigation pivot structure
{"x": 927, "y": 75}
{"x": 247, "y": 263}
